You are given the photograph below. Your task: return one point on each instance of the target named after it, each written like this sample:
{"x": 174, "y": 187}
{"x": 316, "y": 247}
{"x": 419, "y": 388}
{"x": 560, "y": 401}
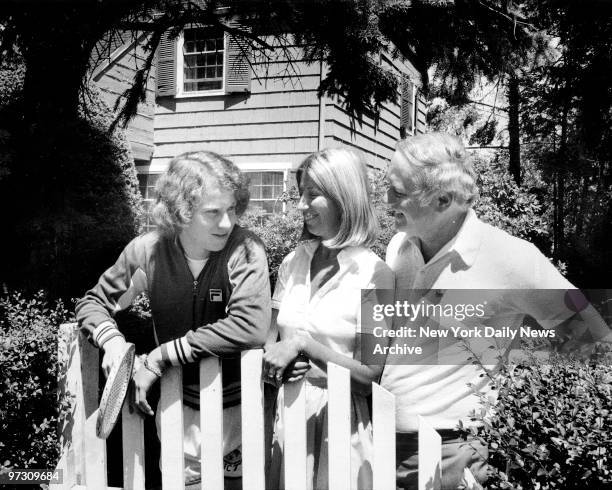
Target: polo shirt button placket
{"x": 419, "y": 283}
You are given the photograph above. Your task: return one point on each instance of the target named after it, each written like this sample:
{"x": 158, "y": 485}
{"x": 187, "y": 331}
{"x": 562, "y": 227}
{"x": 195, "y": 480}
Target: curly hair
{"x": 180, "y": 190}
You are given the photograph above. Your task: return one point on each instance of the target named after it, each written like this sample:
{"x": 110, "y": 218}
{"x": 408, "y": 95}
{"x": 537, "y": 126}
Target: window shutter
{"x": 166, "y": 66}
{"x": 419, "y": 112}
{"x": 237, "y": 67}
{"x": 407, "y": 107}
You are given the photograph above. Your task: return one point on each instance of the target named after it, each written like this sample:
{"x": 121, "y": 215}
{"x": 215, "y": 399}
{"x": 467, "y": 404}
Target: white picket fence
{"x": 83, "y": 459}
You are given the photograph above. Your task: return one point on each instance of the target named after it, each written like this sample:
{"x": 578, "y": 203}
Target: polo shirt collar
{"x": 344, "y": 256}
{"x": 466, "y": 242}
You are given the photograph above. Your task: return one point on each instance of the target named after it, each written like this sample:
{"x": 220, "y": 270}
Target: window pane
{"x": 146, "y": 184}
{"x": 267, "y": 192}
{"x": 267, "y": 206}
{"x": 256, "y": 192}
{"x": 211, "y": 45}
{"x": 266, "y": 188}
{"x": 203, "y": 69}
{"x": 209, "y": 85}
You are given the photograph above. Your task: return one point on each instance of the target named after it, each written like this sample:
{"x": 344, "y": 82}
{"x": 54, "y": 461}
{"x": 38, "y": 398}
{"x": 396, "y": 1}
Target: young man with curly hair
{"x": 208, "y": 285}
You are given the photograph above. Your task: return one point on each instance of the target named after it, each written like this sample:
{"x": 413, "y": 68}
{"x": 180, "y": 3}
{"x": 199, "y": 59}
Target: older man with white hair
{"x": 443, "y": 246}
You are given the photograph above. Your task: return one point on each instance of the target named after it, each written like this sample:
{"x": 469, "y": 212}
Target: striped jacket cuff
{"x": 104, "y": 332}
{"x": 177, "y": 352}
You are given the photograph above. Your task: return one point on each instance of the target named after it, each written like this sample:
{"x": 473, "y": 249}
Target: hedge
{"x": 71, "y": 197}
{"x": 550, "y": 427}
{"x": 29, "y": 407}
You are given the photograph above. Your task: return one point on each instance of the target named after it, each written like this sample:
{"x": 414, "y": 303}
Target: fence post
{"x": 339, "y": 426}
{"x": 132, "y": 429}
{"x": 383, "y": 424}
{"x": 253, "y": 446}
{"x": 211, "y": 422}
{"x": 94, "y": 448}
{"x": 172, "y": 453}
{"x": 294, "y": 415}
{"x": 430, "y": 457}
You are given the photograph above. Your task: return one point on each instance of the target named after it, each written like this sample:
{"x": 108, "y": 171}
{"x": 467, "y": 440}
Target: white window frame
{"x": 283, "y": 167}
{"x": 141, "y": 170}
{"x": 180, "y": 64}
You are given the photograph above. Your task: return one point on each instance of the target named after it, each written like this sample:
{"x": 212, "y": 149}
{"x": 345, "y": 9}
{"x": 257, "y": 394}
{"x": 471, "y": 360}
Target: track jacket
{"x": 225, "y": 311}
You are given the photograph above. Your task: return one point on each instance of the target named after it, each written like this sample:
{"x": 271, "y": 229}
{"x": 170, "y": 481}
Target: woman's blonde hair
{"x": 181, "y": 189}
{"x": 439, "y": 163}
{"x": 340, "y": 174}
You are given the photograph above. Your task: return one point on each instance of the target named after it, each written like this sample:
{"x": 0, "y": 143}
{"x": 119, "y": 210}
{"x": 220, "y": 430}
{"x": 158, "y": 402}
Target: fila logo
{"x": 215, "y": 295}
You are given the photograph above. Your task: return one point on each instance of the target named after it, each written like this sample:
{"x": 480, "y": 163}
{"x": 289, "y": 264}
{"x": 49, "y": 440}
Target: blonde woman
{"x": 316, "y": 308}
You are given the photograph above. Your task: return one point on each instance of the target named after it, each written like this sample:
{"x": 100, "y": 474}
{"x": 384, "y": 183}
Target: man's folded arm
{"x": 115, "y": 290}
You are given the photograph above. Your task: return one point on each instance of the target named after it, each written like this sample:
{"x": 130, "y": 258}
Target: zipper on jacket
{"x": 195, "y": 286}
{"x": 194, "y": 303}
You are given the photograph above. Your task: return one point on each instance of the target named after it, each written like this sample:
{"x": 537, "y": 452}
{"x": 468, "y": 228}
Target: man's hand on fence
{"x": 147, "y": 374}
{"x": 113, "y": 350}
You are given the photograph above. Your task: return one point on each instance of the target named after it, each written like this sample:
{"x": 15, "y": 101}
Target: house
{"x": 265, "y": 115}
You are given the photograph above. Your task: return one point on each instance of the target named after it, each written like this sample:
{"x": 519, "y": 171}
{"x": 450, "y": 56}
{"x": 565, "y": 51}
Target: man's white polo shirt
{"x": 483, "y": 257}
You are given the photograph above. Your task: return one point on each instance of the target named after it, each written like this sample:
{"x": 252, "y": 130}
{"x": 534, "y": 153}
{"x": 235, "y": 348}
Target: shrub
{"x": 386, "y": 219}
{"x": 72, "y": 194}
{"x": 279, "y": 232}
{"x": 550, "y": 427}
{"x": 29, "y": 406}
{"x": 504, "y": 204}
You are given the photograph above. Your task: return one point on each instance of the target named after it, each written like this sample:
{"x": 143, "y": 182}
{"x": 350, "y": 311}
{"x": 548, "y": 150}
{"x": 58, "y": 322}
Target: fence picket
{"x": 430, "y": 457}
{"x": 95, "y": 448}
{"x": 171, "y": 403}
{"x": 211, "y": 421}
{"x": 76, "y": 447}
{"x": 339, "y": 426}
{"x": 132, "y": 429}
{"x": 253, "y": 446}
{"x": 295, "y": 439}
{"x": 383, "y": 422}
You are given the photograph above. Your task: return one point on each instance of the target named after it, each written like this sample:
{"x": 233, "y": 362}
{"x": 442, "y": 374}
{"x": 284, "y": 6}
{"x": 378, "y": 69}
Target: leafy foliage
{"x": 504, "y": 204}
{"x": 280, "y": 232}
{"x": 462, "y": 40}
{"x": 566, "y": 112}
{"x": 29, "y": 407}
{"x": 550, "y": 427}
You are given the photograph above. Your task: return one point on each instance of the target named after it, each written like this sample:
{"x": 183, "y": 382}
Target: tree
{"x": 567, "y": 116}
{"x": 463, "y": 39}
{"x": 54, "y": 41}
